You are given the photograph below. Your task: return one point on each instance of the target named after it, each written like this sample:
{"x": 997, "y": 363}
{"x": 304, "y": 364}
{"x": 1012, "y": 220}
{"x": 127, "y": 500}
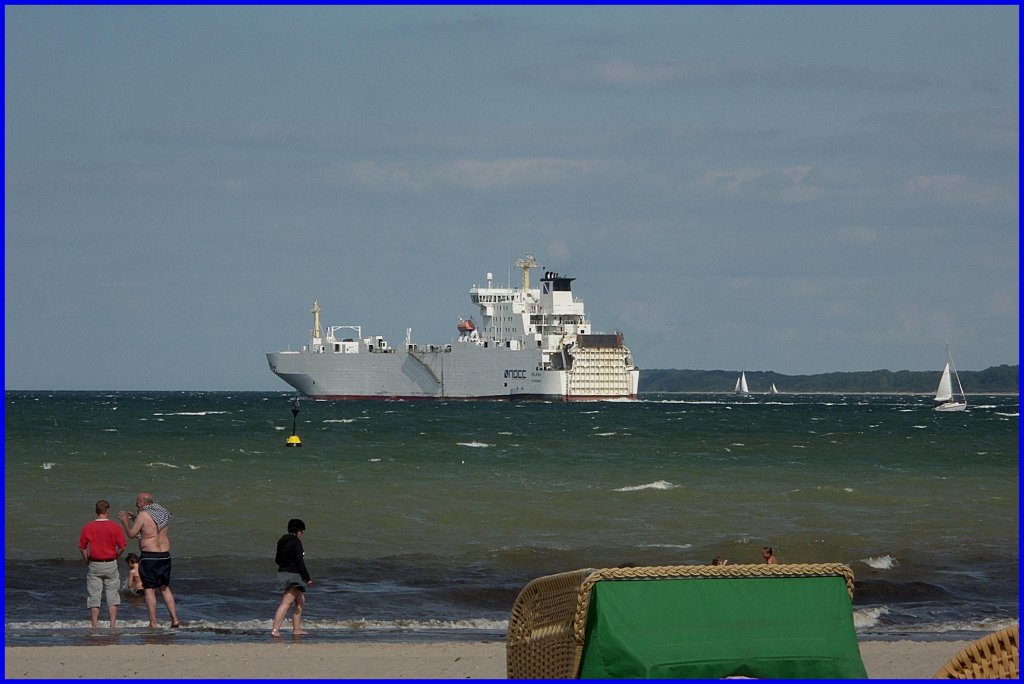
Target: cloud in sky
{"x": 736, "y": 73}
{"x": 802, "y": 189}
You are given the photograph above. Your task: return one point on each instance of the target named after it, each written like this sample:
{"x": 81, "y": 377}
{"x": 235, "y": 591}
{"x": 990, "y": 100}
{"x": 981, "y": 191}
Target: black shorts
{"x": 155, "y": 569}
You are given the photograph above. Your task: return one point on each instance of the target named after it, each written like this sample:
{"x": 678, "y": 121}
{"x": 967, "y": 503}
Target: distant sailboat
{"x": 945, "y": 392}
{"x": 774, "y": 389}
{"x": 741, "y": 384}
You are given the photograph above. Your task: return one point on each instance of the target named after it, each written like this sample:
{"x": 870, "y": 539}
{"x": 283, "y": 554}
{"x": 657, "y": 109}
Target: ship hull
{"x": 458, "y": 371}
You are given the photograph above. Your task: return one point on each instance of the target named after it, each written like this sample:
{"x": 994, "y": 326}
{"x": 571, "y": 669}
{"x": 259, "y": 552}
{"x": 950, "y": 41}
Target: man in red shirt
{"x": 102, "y": 542}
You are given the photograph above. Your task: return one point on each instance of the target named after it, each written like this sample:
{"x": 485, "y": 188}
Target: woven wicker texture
{"x": 547, "y": 627}
{"x": 540, "y": 641}
{"x": 995, "y": 656}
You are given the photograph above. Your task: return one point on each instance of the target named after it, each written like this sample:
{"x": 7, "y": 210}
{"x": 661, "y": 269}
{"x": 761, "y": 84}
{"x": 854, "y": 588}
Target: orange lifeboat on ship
{"x": 466, "y": 327}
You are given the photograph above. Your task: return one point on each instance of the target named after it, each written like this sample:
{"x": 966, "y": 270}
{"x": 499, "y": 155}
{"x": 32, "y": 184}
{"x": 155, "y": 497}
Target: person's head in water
{"x": 295, "y": 525}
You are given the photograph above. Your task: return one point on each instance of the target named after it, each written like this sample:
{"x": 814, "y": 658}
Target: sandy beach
{"x": 288, "y": 659}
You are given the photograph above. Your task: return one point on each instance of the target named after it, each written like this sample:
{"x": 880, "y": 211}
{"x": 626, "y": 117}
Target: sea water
{"x": 425, "y": 519}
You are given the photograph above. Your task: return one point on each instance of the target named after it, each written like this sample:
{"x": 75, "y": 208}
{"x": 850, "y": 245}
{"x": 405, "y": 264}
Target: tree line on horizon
{"x": 995, "y": 379}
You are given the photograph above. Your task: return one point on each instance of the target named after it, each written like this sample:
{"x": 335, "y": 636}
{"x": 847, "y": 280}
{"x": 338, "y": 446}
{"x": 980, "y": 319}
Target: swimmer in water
{"x": 134, "y": 580}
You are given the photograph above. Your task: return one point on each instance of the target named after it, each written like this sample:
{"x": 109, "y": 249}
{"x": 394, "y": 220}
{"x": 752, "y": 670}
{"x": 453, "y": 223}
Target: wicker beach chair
{"x": 995, "y": 656}
{"x": 689, "y": 621}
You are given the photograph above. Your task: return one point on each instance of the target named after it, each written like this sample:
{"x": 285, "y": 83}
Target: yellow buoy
{"x": 294, "y": 440}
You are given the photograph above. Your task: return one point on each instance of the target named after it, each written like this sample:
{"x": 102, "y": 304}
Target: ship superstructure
{"x": 530, "y": 343}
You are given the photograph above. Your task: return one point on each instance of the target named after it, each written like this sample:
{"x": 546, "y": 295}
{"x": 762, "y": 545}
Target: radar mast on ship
{"x": 526, "y": 264}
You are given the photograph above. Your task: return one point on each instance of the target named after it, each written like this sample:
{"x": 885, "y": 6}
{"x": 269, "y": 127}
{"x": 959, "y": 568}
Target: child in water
{"x": 134, "y": 584}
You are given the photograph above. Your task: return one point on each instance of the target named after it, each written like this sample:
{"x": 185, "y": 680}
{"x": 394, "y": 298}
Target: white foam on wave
{"x": 340, "y": 420}
{"x": 605, "y": 434}
{"x": 660, "y": 484}
{"x": 868, "y": 617}
{"x": 1008, "y": 415}
{"x": 161, "y": 463}
{"x": 980, "y": 625}
{"x": 477, "y": 445}
{"x": 885, "y": 562}
{"x": 109, "y": 430}
{"x": 261, "y": 624}
{"x": 191, "y": 413}
{"x": 47, "y": 465}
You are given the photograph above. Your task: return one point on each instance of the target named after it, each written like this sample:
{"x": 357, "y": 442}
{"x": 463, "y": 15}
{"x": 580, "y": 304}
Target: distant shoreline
{"x": 643, "y": 393}
{"x": 828, "y": 393}
{"x": 1003, "y": 379}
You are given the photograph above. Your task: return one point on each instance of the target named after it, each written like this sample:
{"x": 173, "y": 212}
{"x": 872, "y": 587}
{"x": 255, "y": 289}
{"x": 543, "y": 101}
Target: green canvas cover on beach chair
{"x": 685, "y": 622}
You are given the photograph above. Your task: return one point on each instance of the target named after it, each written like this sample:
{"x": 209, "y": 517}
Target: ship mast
{"x": 316, "y": 319}
{"x": 526, "y": 264}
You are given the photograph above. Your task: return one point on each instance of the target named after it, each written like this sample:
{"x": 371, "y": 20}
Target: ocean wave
{"x": 660, "y": 484}
{"x": 868, "y": 617}
{"x": 161, "y": 463}
{"x": 986, "y": 625}
{"x": 474, "y": 444}
{"x": 340, "y": 420}
{"x": 263, "y": 624}
{"x": 191, "y": 413}
{"x": 885, "y": 562}
{"x": 702, "y": 402}
{"x": 47, "y": 465}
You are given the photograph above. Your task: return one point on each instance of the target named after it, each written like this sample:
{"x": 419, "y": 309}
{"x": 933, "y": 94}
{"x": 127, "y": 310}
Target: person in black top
{"x": 292, "y": 577}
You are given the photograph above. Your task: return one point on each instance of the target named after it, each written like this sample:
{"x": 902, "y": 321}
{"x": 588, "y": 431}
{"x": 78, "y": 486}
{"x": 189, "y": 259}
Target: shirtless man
{"x": 150, "y": 525}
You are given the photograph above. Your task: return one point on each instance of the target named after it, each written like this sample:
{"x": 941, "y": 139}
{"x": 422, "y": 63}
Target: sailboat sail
{"x": 944, "y": 394}
{"x": 774, "y": 389}
{"x": 741, "y": 384}
{"x": 945, "y": 391}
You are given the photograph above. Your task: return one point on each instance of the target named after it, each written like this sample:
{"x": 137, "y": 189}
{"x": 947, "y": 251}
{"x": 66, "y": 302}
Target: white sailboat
{"x": 741, "y": 384}
{"x": 774, "y": 389}
{"x": 944, "y": 394}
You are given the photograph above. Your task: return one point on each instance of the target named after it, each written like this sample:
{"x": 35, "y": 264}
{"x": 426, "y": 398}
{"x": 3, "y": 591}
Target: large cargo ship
{"x": 529, "y": 344}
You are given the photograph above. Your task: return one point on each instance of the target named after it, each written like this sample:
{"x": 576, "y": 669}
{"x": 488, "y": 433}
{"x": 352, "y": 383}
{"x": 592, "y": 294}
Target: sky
{"x": 790, "y": 189}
